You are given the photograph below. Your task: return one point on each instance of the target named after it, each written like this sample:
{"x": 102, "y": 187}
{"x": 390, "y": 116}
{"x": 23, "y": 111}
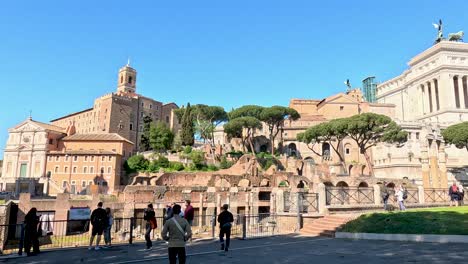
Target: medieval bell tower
{"x": 127, "y": 79}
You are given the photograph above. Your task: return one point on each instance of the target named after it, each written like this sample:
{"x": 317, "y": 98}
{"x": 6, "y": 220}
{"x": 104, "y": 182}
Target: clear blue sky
{"x": 56, "y": 57}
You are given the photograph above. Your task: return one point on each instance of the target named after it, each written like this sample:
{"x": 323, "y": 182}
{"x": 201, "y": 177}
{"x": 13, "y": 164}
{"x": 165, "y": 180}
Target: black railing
{"x": 436, "y": 195}
{"x": 77, "y": 233}
{"x": 349, "y": 195}
{"x": 412, "y": 196}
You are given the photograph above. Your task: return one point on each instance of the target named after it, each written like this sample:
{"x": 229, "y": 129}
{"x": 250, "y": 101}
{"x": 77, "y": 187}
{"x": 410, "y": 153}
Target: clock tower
{"x": 127, "y": 79}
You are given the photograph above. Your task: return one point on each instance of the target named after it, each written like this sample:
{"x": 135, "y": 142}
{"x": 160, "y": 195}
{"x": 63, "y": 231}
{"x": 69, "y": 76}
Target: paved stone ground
{"x": 284, "y": 249}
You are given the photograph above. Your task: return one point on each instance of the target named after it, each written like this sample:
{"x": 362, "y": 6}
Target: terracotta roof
{"x": 49, "y": 127}
{"x": 83, "y": 152}
{"x": 72, "y": 114}
{"x": 96, "y": 137}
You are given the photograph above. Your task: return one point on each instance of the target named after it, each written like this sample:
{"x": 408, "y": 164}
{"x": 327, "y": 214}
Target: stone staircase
{"x": 325, "y": 226}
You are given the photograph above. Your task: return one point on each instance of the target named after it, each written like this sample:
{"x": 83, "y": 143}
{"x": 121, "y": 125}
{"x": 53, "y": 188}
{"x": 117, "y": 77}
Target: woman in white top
{"x": 399, "y": 193}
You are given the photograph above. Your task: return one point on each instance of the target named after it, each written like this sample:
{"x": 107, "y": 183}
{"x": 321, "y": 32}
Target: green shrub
{"x": 162, "y": 162}
{"x": 137, "y": 163}
{"x": 153, "y": 166}
{"x": 212, "y": 167}
{"x": 225, "y": 164}
{"x": 187, "y": 150}
{"x": 177, "y": 166}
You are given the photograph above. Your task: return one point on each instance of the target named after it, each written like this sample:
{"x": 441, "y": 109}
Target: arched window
{"x": 457, "y": 95}
{"x": 363, "y": 185}
{"x": 436, "y": 90}
{"x": 326, "y": 151}
{"x": 130, "y": 79}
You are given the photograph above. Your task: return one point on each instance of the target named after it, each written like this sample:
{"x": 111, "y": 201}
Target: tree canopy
{"x": 145, "y": 138}
{"x": 274, "y": 117}
{"x": 161, "y": 137}
{"x": 187, "y": 127}
{"x": 367, "y": 130}
{"x": 243, "y": 127}
{"x": 457, "y": 135}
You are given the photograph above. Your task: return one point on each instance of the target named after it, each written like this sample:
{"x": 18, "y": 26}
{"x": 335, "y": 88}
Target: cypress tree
{"x": 187, "y": 127}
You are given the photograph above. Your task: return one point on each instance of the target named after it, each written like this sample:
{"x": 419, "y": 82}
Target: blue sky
{"x": 56, "y": 57}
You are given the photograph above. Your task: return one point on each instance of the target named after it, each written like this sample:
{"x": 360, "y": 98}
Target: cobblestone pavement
{"x": 283, "y": 249}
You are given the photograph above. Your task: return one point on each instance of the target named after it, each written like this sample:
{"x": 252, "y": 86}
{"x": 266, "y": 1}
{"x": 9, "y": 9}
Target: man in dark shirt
{"x": 225, "y": 220}
{"x": 98, "y": 220}
{"x": 150, "y": 218}
{"x": 189, "y": 212}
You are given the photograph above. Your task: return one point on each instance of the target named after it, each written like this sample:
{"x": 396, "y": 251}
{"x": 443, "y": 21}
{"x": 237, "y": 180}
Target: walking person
{"x": 400, "y": 194}
{"x": 176, "y": 231}
{"x": 385, "y": 194}
{"x": 453, "y": 193}
{"x": 108, "y": 228}
{"x": 461, "y": 193}
{"x": 31, "y": 234}
{"x": 98, "y": 220}
{"x": 225, "y": 219}
{"x": 151, "y": 224}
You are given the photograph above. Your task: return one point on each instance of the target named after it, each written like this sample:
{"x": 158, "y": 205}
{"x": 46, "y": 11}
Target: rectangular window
{"x": 83, "y": 184}
{"x": 51, "y": 141}
{"x": 85, "y": 169}
{"x": 49, "y": 158}
{"x": 103, "y": 158}
{"x": 417, "y": 135}
{"x": 75, "y": 158}
{"x": 91, "y": 169}
{"x": 85, "y": 158}
{"x": 141, "y": 114}
{"x": 56, "y": 169}
{"x": 102, "y": 170}
{"x": 64, "y": 184}
{"x": 151, "y": 106}
{"x": 341, "y": 108}
{"x": 347, "y": 151}
{"x": 131, "y": 126}
{"x": 92, "y": 158}
{"x": 65, "y": 169}
{"x": 66, "y": 157}
{"x": 57, "y": 158}
{"x": 75, "y": 169}
{"x": 167, "y": 119}
{"x": 110, "y": 158}
{"x": 23, "y": 169}
{"x": 109, "y": 170}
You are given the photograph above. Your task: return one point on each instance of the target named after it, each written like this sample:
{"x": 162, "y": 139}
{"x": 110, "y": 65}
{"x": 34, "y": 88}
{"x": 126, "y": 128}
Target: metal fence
{"x": 308, "y": 202}
{"x": 436, "y": 195}
{"x": 412, "y": 196}
{"x": 349, "y": 195}
{"x": 77, "y": 233}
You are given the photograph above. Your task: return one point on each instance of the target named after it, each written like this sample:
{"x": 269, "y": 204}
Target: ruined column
{"x": 377, "y": 198}
{"x": 322, "y": 200}
{"x": 200, "y": 215}
{"x": 425, "y": 173}
{"x": 443, "y": 181}
{"x": 421, "y": 197}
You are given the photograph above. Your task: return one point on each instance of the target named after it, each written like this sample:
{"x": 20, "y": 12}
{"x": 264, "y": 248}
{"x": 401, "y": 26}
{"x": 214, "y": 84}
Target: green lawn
{"x": 441, "y": 220}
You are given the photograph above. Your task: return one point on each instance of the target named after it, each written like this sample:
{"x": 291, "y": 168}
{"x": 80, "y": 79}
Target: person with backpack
{"x": 176, "y": 231}
{"x": 189, "y": 212}
{"x": 461, "y": 194}
{"x": 453, "y": 193}
{"x": 225, "y": 219}
{"x": 151, "y": 224}
{"x": 400, "y": 194}
{"x": 98, "y": 220}
{"x": 385, "y": 194}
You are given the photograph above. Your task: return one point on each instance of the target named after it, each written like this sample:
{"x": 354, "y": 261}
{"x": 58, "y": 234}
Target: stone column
{"x": 421, "y": 194}
{"x": 446, "y": 88}
{"x": 460, "y": 92}
{"x": 322, "y": 200}
{"x": 279, "y": 200}
{"x": 443, "y": 181}
{"x": 377, "y": 198}
{"x": 425, "y": 107}
{"x": 434, "y": 97}
{"x": 425, "y": 164}
{"x": 200, "y": 215}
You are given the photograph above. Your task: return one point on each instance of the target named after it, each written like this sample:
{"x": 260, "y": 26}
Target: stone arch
{"x": 243, "y": 183}
{"x": 283, "y": 183}
{"x": 292, "y": 149}
{"x": 342, "y": 184}
{"x": 265, "y": 182}
{"x": 326, "y": 153}
{"x": 363, "y": 185}
{"x": 328, "y": 184}
{"x": 222, "y": 183}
